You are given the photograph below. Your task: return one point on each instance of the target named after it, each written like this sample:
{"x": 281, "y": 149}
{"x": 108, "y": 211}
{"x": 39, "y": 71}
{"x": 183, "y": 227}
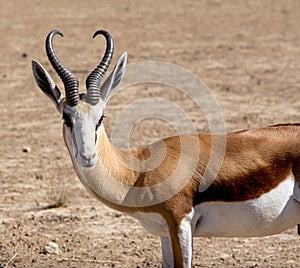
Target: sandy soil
{"x": 248, "y": 54}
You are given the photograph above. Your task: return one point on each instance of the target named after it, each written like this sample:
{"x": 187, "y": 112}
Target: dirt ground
{"x": 247, "y": 52}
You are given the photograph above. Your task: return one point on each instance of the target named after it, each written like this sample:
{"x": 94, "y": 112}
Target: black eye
{"x": 99, "y": 122}
{"x": 67, "y": 120}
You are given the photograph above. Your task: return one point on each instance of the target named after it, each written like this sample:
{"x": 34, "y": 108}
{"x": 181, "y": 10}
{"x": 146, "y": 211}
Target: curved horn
{"x": 94, "y": 79}
{"x": 69, "y": 80}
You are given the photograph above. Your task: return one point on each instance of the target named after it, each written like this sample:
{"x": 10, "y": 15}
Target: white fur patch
{"x": 186, "y": 239}
{"x": 269, "y": 214}
{"x": 154, "y": 223}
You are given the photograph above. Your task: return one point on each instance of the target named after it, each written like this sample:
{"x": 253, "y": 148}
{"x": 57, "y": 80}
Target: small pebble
{"x": 51, "y": 248}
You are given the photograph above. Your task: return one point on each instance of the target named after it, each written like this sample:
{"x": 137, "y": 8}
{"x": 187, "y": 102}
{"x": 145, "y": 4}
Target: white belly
{"x": 269, "y": 214}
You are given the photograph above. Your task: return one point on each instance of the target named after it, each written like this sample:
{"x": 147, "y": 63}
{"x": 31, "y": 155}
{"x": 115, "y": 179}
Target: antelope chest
{"x": 154, "y": 223}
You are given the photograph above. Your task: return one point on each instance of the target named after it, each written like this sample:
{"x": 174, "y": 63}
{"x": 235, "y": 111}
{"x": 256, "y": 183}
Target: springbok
{"x": 254, "y": 193}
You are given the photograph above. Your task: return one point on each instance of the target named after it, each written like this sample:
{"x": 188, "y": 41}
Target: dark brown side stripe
{"x": 256, "y": 161}
{"x": 250, "y": 186}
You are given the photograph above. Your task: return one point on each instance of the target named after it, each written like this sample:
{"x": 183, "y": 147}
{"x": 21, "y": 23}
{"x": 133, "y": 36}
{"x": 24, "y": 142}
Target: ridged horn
{"x": 69, "y": 80}
{"x": 93, "y": 81}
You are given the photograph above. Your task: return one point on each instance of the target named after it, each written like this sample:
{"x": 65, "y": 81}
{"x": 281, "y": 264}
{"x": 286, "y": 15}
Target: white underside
{"x": 269, "y": 214}
{"x": 272, "y": 213}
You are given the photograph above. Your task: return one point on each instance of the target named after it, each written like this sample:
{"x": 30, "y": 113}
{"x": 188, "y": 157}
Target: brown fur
{"x": 255, "y": 162}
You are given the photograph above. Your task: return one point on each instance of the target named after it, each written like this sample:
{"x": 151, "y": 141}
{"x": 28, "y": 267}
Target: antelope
{"x": 254, "y": 193}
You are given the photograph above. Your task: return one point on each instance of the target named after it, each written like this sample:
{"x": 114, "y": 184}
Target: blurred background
{"x": 247, "y": 52}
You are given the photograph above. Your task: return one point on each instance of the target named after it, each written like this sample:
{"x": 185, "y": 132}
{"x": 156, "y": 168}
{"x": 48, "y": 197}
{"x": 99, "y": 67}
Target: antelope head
{"x": 82, "y": 113}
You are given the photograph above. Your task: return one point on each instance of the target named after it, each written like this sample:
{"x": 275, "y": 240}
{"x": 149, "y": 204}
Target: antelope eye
{"x": 99, "y": 122}
{"x": 67, "y": 120}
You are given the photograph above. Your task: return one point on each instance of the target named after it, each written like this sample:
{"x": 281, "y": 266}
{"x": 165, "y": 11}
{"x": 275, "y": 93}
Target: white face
{"x": 81, "y": 131}
{"x": 82, "y": 121}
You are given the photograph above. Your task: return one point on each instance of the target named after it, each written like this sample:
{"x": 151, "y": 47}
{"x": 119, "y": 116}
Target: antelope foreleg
{"x": 178, "y": 246}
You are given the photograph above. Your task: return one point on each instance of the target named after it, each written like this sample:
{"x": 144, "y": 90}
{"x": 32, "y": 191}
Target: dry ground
{"x": 247, "y": 52}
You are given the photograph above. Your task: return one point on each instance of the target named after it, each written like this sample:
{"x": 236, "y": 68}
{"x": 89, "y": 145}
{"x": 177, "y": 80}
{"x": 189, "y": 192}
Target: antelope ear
{"x": 47, "y": 85}
{"x": 110, "y": 84}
